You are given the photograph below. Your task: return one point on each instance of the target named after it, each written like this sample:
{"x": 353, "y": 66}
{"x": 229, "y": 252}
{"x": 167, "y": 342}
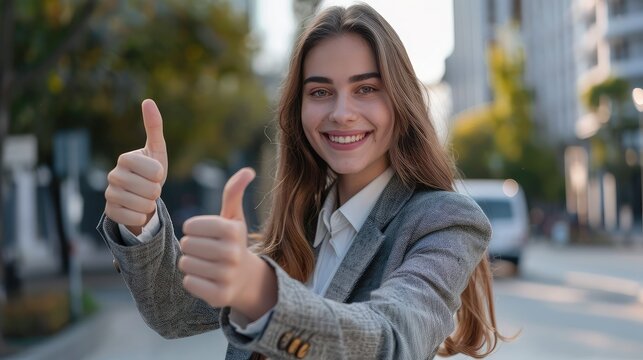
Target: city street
{"x": 571, "y": 302}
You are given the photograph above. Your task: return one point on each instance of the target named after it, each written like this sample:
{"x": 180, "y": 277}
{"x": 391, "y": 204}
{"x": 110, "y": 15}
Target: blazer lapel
{"x": 368, "y": 240}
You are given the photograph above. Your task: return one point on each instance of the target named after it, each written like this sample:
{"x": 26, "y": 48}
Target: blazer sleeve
{"x": 407, "y": 317}
{"x": 151, "y": 273}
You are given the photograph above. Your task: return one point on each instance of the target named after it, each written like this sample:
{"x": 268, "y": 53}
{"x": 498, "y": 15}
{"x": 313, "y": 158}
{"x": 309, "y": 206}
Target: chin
{"x": 345, "y": 169}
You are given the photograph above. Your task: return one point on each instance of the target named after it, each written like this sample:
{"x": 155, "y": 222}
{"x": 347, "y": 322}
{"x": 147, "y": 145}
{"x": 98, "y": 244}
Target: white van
{"x": 503, "y": 201}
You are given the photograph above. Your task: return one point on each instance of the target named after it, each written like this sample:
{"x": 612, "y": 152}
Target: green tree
{"x": 18, "y": 73}
{"x": 72, "y": 63}
{"x": 192, "y": 57}
{"x": 608, "y": 99}
{"x": 499, "y": 140}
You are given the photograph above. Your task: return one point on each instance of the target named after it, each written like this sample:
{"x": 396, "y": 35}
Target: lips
{"x": 346, "y": 140}
{"x": 345, "y": 137}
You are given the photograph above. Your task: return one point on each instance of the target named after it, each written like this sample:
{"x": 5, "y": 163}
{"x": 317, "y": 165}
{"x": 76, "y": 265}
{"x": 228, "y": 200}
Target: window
{"x": 491, "y": 11}
{"x": 516, "y": 10}
{"x": 495, "y": 209}
{"x": 616, "y": 7}
{"x": 620, "y": 49}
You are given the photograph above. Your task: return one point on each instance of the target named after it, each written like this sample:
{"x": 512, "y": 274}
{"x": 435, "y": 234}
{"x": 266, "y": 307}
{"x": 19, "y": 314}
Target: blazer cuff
{"x": 136, "y": 256}
{"x": 291, "y": 318}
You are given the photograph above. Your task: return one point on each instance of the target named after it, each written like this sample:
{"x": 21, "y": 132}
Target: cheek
{"x": 310, "y": 120}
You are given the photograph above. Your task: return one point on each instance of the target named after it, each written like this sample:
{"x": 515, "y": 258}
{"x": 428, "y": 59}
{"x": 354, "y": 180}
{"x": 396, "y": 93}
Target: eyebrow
{"x": 354, "y": 78}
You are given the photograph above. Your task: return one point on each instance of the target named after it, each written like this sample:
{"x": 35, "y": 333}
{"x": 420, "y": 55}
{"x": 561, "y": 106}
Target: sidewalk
{"x": 612, "y": 269}
{"x": 117, "y": 331}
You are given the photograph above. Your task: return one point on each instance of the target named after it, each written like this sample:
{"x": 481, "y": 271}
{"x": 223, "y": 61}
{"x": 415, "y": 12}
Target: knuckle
{"x": 185, "y": 243}
{"x": 140, "y": 219}
{"x": 158, "y": 174}
{"x": 156, "y": 192}
{"x": 123, "y": 159}
{"x": 109, "y": 212}
{"x": 112, "y": 177}
{"x": 150, "y": 206}
{"x": 187, "y": 226}
{"x": 110, "y": 193}
{"x": 181, "y": 264}
{"x": 186, "y": 281}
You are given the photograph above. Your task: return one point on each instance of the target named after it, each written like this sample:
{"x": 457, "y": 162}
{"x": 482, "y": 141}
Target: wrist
{"x": 259, "y": 293}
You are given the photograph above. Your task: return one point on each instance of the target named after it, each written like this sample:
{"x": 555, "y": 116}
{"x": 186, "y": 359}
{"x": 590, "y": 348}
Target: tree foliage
{"x": 607, "y": 148}
{"x": 192, "y": 57}
{"x": 499, "y": 140}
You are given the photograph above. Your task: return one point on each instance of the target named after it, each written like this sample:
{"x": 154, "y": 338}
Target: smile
{"x": 346, "y": 139}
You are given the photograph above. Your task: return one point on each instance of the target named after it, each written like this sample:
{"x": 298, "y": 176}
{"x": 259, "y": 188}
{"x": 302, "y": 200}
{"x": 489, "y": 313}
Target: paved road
{"x": 562, "y": 322}
{"x": 553, "y": 304}
{"x": 127, "y": 336}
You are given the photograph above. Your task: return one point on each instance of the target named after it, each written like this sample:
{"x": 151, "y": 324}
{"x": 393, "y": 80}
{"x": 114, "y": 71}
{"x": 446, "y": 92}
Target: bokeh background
{"x": 531, "y": 93}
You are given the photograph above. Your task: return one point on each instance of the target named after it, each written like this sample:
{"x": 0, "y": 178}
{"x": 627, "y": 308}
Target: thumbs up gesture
{"x": 136, "y": 181}
{"x": 217, "y": 264}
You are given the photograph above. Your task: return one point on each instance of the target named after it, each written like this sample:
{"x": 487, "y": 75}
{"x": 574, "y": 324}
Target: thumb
{"x": 155, "y": 143}
{"x": 232, "y": 207}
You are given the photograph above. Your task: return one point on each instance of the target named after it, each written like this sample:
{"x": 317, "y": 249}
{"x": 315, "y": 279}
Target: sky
{"x": 425, "y": 27}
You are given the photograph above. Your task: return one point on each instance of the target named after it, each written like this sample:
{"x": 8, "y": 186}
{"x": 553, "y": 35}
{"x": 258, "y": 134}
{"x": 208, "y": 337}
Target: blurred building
{"x": 570, "y": 46}
{"x": 610, "y": 40}
{"x": 475, "y": 24}
{"x": 551, "y": 67}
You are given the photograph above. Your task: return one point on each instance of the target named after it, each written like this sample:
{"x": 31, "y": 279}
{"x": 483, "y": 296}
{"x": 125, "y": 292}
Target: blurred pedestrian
{"x": 367, "y": 253}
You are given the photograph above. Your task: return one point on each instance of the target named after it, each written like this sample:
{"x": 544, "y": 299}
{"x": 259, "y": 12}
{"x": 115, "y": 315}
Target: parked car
{"x": 503, "y": 201}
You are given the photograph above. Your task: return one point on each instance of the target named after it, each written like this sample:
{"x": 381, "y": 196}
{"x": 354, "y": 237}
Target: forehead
{"x": 340, "y": 57}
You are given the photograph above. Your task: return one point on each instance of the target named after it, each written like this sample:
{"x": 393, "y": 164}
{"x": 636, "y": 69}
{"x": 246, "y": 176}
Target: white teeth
{"x": 346, "y": 139}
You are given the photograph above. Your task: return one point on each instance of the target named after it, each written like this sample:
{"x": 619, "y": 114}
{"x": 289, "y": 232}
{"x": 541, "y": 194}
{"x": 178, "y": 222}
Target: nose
{"x": 344, "y": 111}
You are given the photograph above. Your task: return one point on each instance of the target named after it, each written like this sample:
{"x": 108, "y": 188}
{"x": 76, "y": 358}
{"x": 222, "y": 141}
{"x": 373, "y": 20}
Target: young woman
{"x": 367, "y": 253}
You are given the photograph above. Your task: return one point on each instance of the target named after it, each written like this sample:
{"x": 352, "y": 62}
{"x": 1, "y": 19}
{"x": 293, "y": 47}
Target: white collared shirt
{"x": 336, "y": 230}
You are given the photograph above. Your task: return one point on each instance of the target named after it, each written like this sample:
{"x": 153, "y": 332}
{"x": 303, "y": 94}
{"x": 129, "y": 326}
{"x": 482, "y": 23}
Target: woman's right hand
{"x": 137, "y": 180}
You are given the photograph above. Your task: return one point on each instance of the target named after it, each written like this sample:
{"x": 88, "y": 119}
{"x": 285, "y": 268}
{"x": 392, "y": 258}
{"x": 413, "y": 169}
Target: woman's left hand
{"x": 218, "y": 266}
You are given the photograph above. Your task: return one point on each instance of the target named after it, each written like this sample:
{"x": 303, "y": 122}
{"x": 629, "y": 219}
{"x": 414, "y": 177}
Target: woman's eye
{"x": 319, "y": 93}
{"x": 366, "y": 90}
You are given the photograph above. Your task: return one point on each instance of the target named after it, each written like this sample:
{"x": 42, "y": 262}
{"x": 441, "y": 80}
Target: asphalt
{"x": 611, "y": 270}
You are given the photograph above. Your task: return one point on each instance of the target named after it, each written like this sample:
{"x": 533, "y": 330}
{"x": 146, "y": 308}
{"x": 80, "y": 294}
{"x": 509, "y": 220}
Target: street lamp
{"x": 637, "y": 97}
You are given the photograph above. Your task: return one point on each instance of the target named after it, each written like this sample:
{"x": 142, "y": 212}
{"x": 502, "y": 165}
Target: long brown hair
{"x": 416, "y": 156}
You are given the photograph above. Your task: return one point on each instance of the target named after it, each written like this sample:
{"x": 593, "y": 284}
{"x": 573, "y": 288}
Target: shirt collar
{"x": 357, "y": 208}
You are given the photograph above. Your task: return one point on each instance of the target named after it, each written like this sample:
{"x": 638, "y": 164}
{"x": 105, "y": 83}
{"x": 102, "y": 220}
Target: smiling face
{"x": 346, "y": 113}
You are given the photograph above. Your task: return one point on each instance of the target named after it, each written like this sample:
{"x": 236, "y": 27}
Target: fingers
{"x": 210, "y": 249}
{"x": 211, "y": 292}
{"x": 134, "y": 183}
{"x": 212, "y": 226}
{"x": 124, "y": 216}
{"x": 232, "y": 206}
{"x": 216, "y": 272}
{"x": 118, "y": 196}
{"x": 133, "y": 187}
{"x": 142, "y": 165}
{"x": 153, "y": 122}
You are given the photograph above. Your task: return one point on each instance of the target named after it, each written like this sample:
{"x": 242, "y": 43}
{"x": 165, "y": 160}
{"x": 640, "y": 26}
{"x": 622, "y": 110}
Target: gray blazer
{"x": 394, "y": 295}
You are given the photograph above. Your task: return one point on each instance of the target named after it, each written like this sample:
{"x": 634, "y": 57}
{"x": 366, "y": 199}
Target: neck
{"x": 350, "y": 184}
